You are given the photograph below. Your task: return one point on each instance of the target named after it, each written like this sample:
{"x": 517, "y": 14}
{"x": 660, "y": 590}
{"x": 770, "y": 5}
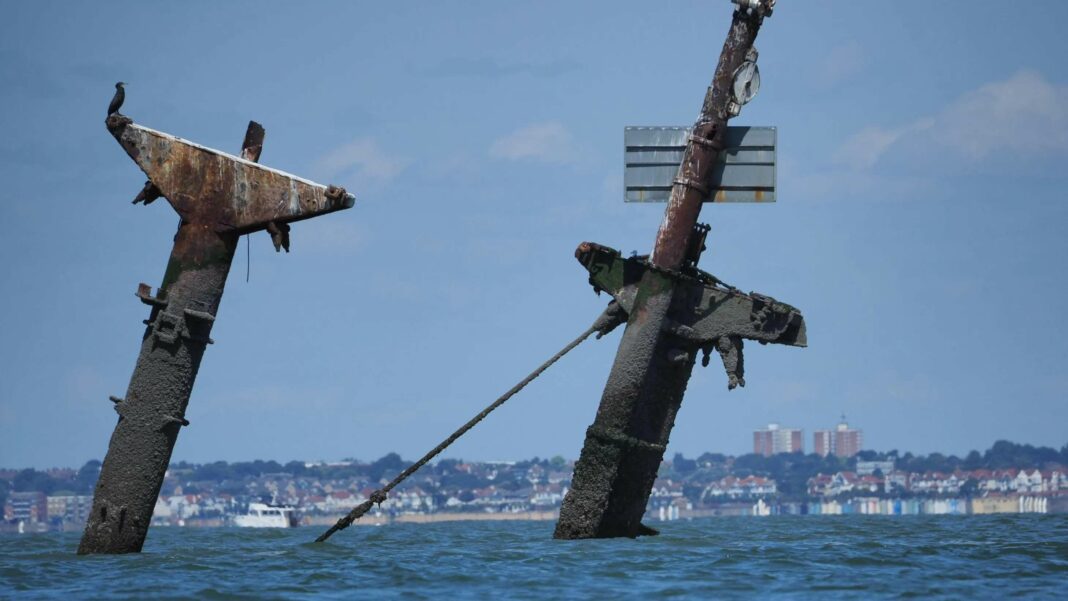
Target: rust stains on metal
{"x": 219, "y": 197}
{"x": 705, "y": 144}
{"x": 673, "y": 312}
{"x": 219, "y": 190}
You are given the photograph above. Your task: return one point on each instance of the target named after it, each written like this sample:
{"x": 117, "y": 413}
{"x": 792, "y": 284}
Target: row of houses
{"x": 732, "y": 487}
{"x": 43, "y": 512}
{"x": 1010, "y": 503}
{"x": 530, "y": 486}
{"x": 983, "y": 482}
{"x": 178, "y": 509}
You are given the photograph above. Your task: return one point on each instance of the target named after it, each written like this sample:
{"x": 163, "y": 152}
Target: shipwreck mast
{"x": 220, "y": 197}
{"x": 674, "y": 311}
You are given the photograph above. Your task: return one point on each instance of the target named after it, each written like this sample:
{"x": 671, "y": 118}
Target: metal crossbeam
{"x": 232, "y": 193}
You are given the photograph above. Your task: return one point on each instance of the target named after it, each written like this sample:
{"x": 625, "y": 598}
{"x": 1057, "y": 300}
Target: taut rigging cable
{"x": 612, "y": 317}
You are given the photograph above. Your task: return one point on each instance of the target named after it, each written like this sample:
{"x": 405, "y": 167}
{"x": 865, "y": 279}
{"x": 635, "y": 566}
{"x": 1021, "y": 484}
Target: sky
{"x": 921, "y": 223}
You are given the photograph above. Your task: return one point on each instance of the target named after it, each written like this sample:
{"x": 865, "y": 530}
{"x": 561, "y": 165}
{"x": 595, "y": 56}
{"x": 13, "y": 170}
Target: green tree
{"x": 31, "y": 480}
{"x": 390, "y": 463}
{"x": 85, "y": 481}
{"x": 462, "y": 481}
{"x": 682, "y": 465}
{"x": 712, "y": 460}
{"x": 212, "y": 472}
{"x": 1005, "y": 454}
{"x": 295, "y": 468}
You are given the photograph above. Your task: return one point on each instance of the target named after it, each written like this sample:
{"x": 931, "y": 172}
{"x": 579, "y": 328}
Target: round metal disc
{"x": 746, "y": 82}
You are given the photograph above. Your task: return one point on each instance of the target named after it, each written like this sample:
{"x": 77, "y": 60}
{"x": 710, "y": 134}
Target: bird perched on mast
{"x": 117, "y": 99}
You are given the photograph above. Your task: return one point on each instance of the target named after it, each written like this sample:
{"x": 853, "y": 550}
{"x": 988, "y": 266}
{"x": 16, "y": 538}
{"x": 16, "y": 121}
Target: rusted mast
{"x": 219, "y": 198}
{"x": 626, "y": 443}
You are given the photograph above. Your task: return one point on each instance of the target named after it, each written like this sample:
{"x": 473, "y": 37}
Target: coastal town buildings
{"x": 714, "y": 484}
{"x": 821, "y": 443}
{"x": 983, "y": 483}
{"x": 842, "y": 441}
{"x": 847, "y": 441}
{"x": 69, "y": 508}
{"x": 775, "y": 439}
{"x": 26, "y": 506}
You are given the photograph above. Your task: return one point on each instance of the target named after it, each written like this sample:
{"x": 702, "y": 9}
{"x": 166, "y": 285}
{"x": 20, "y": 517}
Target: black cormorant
{"x": 117, "y": 100}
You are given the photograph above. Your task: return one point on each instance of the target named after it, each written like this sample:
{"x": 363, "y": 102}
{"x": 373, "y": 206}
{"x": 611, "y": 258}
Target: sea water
{"x": 804, "y": 557}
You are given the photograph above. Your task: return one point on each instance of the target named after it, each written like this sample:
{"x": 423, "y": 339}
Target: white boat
{"x": 261, "y": 515}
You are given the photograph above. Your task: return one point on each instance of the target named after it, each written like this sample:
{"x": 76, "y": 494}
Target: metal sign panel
{"x": 745, "y": 171}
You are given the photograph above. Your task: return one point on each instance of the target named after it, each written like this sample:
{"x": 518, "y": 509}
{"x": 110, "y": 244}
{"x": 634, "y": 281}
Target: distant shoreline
{"x": 430, "y": 518}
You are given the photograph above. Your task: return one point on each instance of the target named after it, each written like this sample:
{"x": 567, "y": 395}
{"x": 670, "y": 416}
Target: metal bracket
{"x": 697, "y": 245}
{"x": 168, "y": 327}
{"x": 624, "y": 441}
{"x": 171, "y": 420}
{"x": 700, "y": 141}
{"x": 144, "y": 292}
{"x": 691, "y": 183}
{"x": 201, "y": 315}
{"x": 123, "y": 408}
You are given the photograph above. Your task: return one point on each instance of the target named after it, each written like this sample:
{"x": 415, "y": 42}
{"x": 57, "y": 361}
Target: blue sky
{"x": 921, "y": 222}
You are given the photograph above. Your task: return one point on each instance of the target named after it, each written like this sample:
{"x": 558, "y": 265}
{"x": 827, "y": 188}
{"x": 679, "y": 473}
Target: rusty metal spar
{"x": 673, "y": 312}
{"x": 219, "y": 197}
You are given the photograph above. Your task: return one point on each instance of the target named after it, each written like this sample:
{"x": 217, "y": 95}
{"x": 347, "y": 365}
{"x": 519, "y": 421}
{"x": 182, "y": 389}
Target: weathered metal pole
{"x": 626, "y": 443}
{"x": 219, "y": 198}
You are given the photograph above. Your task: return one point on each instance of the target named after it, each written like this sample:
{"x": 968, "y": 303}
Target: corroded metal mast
{"x": 219, "y": 197}
{"x": 674, "y": 311}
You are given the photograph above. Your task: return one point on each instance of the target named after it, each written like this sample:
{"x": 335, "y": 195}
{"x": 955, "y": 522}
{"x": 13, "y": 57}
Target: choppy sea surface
{"x": 804, "y": 557}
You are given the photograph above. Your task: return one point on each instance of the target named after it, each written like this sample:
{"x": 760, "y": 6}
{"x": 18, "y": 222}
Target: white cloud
{"x": 864, "y": 148}
{"x": 361, "y": 160}
{"x": 1024, "y": 115}
{"x": 549, "y": 141}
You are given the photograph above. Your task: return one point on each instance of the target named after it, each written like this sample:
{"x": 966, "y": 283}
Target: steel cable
{"x": 612, "y": 317}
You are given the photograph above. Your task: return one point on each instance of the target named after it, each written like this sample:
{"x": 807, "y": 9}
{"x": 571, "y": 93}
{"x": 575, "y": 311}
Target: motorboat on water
{"x": 262, "y": 515}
